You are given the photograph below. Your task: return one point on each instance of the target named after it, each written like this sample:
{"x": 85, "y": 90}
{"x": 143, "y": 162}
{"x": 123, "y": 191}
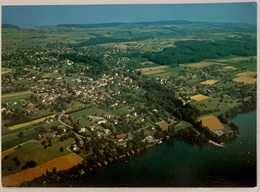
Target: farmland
{"x": 68, "y": 161}
{"x": 18, "y": 126}
{"x": 16, "y": 95}
{"x": 6, "y": 70}
{"x": 200, "y": 64}
{"x": 212, "y": 122}
{"x": 246, "y": 77}
{"x": 209, "y": 82}
{"x": 199, "y": 97}
{"x": 101, "y": 93}
{"x": 34, "y": 151}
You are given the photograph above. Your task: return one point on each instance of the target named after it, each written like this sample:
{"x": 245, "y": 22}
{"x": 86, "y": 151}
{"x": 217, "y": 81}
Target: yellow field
{"x": 163, "y": 125}
{"x": 144, "y": 70}
{"x": 10, "y": 95}
{"x": 209, "y": 82}
{"x": 235, "y": 59}
{"x": 5, "y": 70}
{"x": 153, "y": 72}
{"x": 200, "y": 64}
{"x": 146, "y": 63}
{"x": 212, "y": 122}
{"x": 230, "y": 67}
{"x": 30, "y": 123}
{"x": 246, "y": 77}
{"x": 61, "y": 163}
{"x": 199, "y": 97}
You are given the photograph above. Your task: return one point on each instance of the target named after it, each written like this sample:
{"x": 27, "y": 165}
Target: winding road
{"x": 59, "y": 119}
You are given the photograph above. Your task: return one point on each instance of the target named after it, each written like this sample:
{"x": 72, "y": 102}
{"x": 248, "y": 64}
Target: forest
{"x": 195, "y": 51}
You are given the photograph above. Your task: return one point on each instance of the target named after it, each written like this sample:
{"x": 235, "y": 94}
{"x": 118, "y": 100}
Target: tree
{"x": 43, "y": 142}
{"x": 61, "y": 149}
{"x": 31, "y": 164}
{"x": 20, "y": 134}
{"x": 18, "y": 163}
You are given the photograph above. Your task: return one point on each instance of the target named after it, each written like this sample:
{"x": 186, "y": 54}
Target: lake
{"x": 178, "y": 164}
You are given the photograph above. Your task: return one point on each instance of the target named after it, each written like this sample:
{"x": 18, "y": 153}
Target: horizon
{"x": 139, "y": 22}
{"x": 35, "y": 16}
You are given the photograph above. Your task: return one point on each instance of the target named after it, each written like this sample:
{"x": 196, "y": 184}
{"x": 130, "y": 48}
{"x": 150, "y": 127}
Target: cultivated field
{"x": 29, "y": 123}
{"x": 212, "y": 122}
{"x": 235, "y": 59}
{"x": 230, "y": 67}
{"x": 246, "y": 77}
{"x": 35, "y": 151}
{"x": 199, "y": 97}
{"x": 5, "y": 70}
{"x": 153, "y": 70}
{"x": 163, "y": 125}
{"x": 147, "y": 69}
{"x": 16, "y": 94}
{"x": 200, "y": 64}
{"x": 61, "y": 163}
{"x": 209, "y": 82}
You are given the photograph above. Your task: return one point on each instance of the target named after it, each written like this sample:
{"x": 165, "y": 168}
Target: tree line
{"x": 195, "y": 51}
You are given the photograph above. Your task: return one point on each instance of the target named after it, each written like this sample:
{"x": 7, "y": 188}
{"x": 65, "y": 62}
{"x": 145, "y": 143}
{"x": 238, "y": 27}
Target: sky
{"x": 42, "y": 15}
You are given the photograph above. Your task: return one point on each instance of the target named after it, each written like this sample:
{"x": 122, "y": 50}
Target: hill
{"x": 9, "y": 26}
{"x": 174, "y": 22}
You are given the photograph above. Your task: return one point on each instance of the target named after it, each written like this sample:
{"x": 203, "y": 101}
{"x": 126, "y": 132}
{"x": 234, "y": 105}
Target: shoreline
{"x": 216, "y": 144}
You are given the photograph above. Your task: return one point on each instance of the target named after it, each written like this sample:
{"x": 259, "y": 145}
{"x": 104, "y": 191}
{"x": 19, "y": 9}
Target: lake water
{"x": 177, "y": 164}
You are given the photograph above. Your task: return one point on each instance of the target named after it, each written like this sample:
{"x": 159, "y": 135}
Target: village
{"x": 101, "y": 104}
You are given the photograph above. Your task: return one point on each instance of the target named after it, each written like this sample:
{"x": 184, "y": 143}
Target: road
{"x": 59, "y": 119}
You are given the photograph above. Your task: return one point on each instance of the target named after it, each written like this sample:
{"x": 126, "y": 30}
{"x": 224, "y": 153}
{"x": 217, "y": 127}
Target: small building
{"x": 121, "y": 136}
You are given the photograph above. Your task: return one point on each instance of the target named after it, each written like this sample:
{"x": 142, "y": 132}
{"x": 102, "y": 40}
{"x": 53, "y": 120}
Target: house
{"x": 48, "y": 135}
{"x": 31, "y": 108}
{"x": 82, "y": 130}
{"x": 121, "y": 136}
{"x": 100, "y": 121}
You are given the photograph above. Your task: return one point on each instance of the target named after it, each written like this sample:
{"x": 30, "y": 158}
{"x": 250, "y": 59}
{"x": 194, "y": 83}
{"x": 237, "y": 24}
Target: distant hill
{"x": 239, "y": 26}
{"x": 174, "y": 22}
{"x": 9, "y": 26}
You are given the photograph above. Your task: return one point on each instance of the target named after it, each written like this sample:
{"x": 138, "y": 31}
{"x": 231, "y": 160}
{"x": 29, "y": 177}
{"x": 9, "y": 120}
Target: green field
{"x": 182, "y": 125}
{"x": 34, "y": 151}
{"x": 89, "y": 111}
{"x": 25, "y": 38}
{"x": 121, "y": 110}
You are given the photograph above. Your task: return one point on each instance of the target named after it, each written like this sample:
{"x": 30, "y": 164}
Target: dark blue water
{"x": 177, "y": 164}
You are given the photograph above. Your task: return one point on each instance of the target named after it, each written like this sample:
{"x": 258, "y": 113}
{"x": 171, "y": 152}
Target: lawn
{"x": 182, "y": 125}
{"x": 121, "y": 110}
{"x": 89, "y": 111}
